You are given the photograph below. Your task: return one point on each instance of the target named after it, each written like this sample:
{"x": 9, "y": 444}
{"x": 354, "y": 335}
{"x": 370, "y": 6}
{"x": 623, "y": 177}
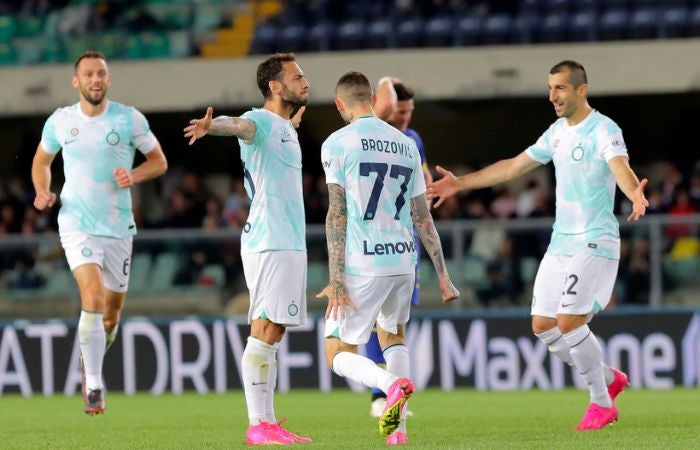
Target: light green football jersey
{"x": 585, "y": 190}
{"x": 380, "y": 169}
{"x": 273, "y": 181}
{"x": 93, "y": 147}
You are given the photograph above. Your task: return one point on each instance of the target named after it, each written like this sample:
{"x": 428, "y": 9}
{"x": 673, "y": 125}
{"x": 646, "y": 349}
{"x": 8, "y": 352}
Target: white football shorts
{"x": 385, "y": 301}
{"x": 578, "y": 284}
{"x": 113, "y": 255}
{"x": 276, "y": 281}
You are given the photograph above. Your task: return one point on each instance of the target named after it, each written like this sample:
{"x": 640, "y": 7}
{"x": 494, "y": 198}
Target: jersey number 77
{"x": 381, "y": 169}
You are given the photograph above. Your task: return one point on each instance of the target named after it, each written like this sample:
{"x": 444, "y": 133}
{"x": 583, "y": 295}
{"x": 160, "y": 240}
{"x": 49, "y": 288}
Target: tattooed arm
{"x": 423, "y": 221}
{"x": 220, "y": 126}
{"x": 336, "y": 222}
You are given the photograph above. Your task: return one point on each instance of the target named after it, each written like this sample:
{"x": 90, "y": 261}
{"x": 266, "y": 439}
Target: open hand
{"x": 198, "y": 128}
{"x": 445, "y": 187}
{"x": 640, "y": 202}
{"x": 338, "y": 300}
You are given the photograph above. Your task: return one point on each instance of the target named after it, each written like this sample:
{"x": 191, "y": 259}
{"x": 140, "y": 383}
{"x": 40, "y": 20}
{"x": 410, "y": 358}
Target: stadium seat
{"x": 694, "y": 23}
{"x": 164, "y": 270}
{"x": 7, "y": 28}
{"x": 292, "y": 37}
{"x": 607, "y": 5}
{"x": 379, "y": 34}
{"x": 58, "y": 284}
{"x": 179, "y": 44}
{"x": 554, "y": 27}
{"x": 54, "y": 51}
{"x": 316, "y": 276}
{"x": 318, "y": 37}
{"x": 526, "y": 28}
{"x": 349, "y": 35}
{"x": 473, "y": 272}
{"x": 134, "y": 48}
{"x": 674, "y": 22}
{"x": 532, "y": 6}
{"x": 583, "y": 26}
{"x": 467, "y": 30}
{"x": 439, "y": 31}
{"x": 528, "y": 269}
{"x": 558, "y": 6}
{"x": 140, "y": 272}
{"x": 214, "y": 274}
{"x": 29, "y": 50}
{"x": 496, "y": 29}
{"x": 29, "y": 26}
{"x": 613, "y": 25}
{"x": 109, "y": 43}
{"x": 264, "y": 39}
{"x": 586, "y": 5}
{"x": 644, "y": 23}
{"x": 156, "y": 44}
{"x": 206, "y": 17}
{"x": 409, "y": 32}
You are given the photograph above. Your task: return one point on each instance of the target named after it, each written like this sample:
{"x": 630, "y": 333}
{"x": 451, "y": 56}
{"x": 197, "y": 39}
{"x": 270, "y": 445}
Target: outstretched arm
{"x": 423, "y": 221}
{"x": 496, "y": 173}
{"x": 41, "y": 178}
{"x": 219, "y": 126}
{"x": 336, "y": 221}
{"x": 630, "y": 185}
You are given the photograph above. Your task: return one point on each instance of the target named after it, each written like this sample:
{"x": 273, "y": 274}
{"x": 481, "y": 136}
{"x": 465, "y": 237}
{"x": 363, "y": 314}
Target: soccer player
{"x": 99, "y": 139}
{"x": 376, "y": 189}
{"x": 273, "y": 243}
{"x": 394, "y": 104}
{"x": 577, "y": 273}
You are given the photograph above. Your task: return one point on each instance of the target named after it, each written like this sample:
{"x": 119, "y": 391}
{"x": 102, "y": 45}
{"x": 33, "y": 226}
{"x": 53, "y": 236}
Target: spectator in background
{"x": 680, "y": 207}
{"x": 694, "y": 191}
{"x": 237, "y": 204}
{"x": 504, "y": 206}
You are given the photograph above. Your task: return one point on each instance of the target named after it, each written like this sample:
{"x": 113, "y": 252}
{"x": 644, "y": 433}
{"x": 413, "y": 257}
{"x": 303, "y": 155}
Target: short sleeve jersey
{"x": 273, "y": 182}
{"x": 93, "y": 147}
{"x": 585, "y": 190}
{"x": 380, "y": 170}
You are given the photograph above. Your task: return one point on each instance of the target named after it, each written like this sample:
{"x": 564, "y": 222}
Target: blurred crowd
{"x": 187, "y": 200}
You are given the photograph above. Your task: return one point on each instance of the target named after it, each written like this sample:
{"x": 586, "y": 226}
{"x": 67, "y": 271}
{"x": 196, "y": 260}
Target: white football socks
{"x": 92, "y": 347}
{"x": 259, "y": 360}
{"x": 552, "y": 338}
{"x": 588, "y": 358}
{"x": 362, "y": 370}
{"x": 398, "y": 363}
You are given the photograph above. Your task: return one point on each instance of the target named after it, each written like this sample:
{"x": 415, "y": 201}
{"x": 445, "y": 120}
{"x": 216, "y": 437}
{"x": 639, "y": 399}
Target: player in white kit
{"x": 376, "y": 195}
{"x": 273, "y": 243}
{"x": 577, "y": 273}
{"x": 99, "y": 139}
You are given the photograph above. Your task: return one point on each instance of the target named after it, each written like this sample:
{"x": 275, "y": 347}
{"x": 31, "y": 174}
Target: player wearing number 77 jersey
{"x": 377, "y": 192}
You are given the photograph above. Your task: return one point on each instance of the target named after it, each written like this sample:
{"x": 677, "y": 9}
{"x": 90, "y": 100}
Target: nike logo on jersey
{"x": 256, "y": 383}
{"x": 566, "y": 305}
{"x": 289, "y": 140}
{"x": 69, "y": 141}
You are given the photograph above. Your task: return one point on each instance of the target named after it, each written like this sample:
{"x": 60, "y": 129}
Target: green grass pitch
{"x": 462, "y": 418}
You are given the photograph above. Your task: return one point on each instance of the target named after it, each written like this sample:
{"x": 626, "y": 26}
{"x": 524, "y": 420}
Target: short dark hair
{"x": 403, "y": 92}
{"x": 270, "y": 70}
{"x": 90, "y": 54}
{"x": 577, "y": 74}
{"x": 356, "y": 88}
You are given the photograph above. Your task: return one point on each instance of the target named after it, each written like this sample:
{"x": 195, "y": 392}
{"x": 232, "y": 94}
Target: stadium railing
{"x": 492, "y": 262}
